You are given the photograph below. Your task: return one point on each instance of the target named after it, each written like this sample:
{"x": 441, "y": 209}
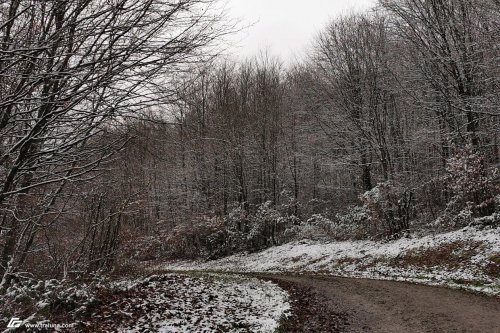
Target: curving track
{"x": 333, "y": 304}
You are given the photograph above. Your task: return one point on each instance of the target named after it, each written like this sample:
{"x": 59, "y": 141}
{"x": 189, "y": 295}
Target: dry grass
{"x": 452, "y": 255}
{"x": 493, "y": 266}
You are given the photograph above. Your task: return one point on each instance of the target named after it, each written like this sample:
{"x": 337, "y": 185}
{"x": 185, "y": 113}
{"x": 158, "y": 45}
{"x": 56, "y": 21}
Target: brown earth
{"x": 333, "y": 304}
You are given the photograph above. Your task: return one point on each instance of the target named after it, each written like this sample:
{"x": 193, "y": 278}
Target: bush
{"x": 269, "y": 227}
{"x": 43, "y": 299}
{"x": 213, "y": 237}
{"x": 354, "y": 224}
{"x": 204, "y": 237}
{"x": 471, "y": 186}
{"x": 386, "y": 212}
{"x": 390, "y": 209}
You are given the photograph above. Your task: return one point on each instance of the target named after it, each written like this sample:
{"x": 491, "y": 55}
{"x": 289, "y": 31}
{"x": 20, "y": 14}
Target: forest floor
{"x": 466, "y": 259}
{"x": 163, "y": 302}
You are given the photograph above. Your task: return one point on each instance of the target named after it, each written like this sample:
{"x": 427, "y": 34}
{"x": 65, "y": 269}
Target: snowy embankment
{"x": 468, "y": 258}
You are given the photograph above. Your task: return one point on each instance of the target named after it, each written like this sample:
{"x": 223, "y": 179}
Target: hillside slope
{"x": 468, "y": 258}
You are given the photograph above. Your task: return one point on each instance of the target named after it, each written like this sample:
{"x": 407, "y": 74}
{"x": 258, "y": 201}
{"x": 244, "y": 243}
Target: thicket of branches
{"x": 72, "y": 72}
{"x": 390, "y": 125}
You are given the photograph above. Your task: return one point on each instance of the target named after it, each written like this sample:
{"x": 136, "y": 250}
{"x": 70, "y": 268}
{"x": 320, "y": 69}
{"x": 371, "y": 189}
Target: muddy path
{"x": 333, "y": 304}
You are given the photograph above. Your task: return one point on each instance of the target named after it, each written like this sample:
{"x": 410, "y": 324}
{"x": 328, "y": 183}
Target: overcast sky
{"x": 286, "y": 27}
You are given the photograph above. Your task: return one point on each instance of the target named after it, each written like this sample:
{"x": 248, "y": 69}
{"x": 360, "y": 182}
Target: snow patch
{"x": 207, "y": 303}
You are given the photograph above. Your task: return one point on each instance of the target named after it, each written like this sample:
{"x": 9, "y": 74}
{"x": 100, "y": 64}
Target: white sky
{"x": 285, "y": 27}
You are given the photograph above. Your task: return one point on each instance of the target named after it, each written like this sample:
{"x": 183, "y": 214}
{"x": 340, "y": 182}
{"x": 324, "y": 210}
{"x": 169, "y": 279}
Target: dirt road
{"x": 331, "y": 304}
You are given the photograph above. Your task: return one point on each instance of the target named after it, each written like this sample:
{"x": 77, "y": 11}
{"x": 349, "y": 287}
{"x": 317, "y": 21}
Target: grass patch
{"x": 451, "y": 255}
{"x": 323, "y": 257}
{"x": 493, "y": 266}
{"x": 297, "y": 259}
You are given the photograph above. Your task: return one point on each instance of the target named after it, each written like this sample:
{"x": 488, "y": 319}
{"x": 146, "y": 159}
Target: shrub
{"x": 204, "y": 237}
{"x": 269, "y": 227}
{"x": 390, "y": 209}
{"x": 214, "y": 237}
{"x": 469, "y": 183}
{"x": 354, "y": 224}
{"x": 386, "y": 211}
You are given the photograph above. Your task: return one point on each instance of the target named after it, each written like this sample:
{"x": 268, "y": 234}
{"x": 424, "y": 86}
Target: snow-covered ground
{"x": 467, "y": 258}
{"x": 159, "y": 303}
{"x": 206, "y": 303}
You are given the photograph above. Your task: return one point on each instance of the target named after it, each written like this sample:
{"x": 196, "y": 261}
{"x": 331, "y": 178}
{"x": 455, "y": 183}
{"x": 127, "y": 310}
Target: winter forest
{"x": 129, "y": 137}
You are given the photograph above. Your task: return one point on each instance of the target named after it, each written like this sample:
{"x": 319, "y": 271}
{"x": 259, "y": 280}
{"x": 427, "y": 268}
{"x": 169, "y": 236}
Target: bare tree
{"x": 449, "y": 44}
{"x": 351, "y": 61}
{"x": 73, "y": 70}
